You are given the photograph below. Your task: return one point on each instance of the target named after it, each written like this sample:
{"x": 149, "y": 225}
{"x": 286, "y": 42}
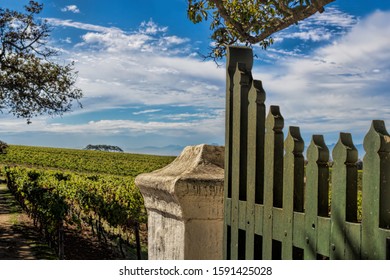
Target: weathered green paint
{"x": 273, "y": 174}
{"x": 242, "y": 81}
{"x": 234, "y": 55}
{"x": 255, "y": 160}
{"x": 259, "y": 215}
{"x": 352, "y": 241}
{"x": 316, "y": 202}
{"x": 323, "y": 234}
{"x": 292, "y": 188}
{"x": 270, "y": 212}
{"x": 299, "y": 239}
{"x": 278, "y": 224}
{"x": 344, "y": 196}
{"x": 376, "y": 183}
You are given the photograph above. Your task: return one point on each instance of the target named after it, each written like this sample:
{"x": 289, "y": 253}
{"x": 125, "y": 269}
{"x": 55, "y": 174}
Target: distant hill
{"x": 106, "y": 148}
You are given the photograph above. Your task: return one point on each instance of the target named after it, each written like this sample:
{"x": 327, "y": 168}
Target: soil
{"x": 20, "y": 239}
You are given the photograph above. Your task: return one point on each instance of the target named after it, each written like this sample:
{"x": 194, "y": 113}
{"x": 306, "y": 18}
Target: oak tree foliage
{"x": 31, "y": 83}
{"x": 249, "y": 22}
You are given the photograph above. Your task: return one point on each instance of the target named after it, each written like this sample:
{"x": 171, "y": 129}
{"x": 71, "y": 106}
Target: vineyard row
{"x": 56, "y": 198}
{"x": 123, "y": 164}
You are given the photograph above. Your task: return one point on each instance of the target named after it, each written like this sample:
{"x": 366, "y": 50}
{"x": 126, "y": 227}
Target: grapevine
{"x": 124, "y": 164}
{"x": 60, "y": 187}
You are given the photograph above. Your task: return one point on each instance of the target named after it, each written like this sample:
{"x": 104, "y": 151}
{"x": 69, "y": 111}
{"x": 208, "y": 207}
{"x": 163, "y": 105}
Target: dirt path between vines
{"x": 20, "y": 240}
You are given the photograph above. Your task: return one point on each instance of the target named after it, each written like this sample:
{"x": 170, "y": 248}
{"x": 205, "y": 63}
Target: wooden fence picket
{"x": 317, "y": 186}
{"x": 275, "y": 207}
{"x": 345, "y": 237}
{"x": 376, "y": 193}
{"x": 273, "y": 179}
{"x": 255, "y": 167}
{"x": 293, "y": 188}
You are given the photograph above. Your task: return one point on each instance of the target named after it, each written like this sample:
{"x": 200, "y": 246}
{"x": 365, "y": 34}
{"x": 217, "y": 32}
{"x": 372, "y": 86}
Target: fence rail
{"x": 275, "y": 208}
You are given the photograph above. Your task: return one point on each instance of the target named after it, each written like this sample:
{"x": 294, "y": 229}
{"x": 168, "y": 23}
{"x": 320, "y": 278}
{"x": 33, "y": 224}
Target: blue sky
{"x": 145, "y": 84}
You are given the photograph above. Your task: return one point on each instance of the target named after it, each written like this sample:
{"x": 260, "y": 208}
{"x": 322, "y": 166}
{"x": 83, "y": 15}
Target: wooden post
{"x": 244, "y": 56}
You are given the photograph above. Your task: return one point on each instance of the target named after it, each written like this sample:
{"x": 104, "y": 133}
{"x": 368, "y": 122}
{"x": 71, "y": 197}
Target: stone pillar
{"x": 184, "y": 201}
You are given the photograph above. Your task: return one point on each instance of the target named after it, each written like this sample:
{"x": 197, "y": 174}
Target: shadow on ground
{"x": 8, "y": 205}
{"x": 21, "y": 240}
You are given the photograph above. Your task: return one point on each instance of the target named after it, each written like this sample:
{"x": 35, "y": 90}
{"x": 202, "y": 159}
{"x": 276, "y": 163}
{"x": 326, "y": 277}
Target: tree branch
{"x": 225, "y": 15}
{"x": 30, "y": 84}
{"x": 317, "y": 6}
{"x": 293, "y": 15}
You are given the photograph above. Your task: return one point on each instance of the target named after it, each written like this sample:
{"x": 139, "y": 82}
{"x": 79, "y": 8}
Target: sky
{"x": 147, "y": 88}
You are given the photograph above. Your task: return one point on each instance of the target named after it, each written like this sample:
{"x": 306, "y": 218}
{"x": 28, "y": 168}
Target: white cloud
{"x": 208, "y": 127}
{"x": 334, "y": 17}
{"x": 174, "y": 40}
{"x": 151, "y": 28}
{"x": 143, "y": 68}
{"x": 120, "y": 79}
{"x": 71, "y": 8}
{"x": 81, "y": 25}
{"x": 341, "y": 86}
{"x": 147, "y": 111}
{"x": 318, "y": 30}
{"x": 116, "y": 41}
{"x": 187, "y": 116}
{"x": 147, "y": 66}
{"x": 366, "y": 44}
{"x": 315, "y": 35}
{"x": 148, "y": 38}
{"x": 67, "y": 40}
{"x": 319, "y": 27}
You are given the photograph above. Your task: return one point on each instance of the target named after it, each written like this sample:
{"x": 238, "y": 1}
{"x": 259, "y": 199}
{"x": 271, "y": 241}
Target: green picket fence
{"x": 274, "y": 208}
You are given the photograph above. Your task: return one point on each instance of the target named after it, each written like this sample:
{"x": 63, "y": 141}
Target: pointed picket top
{"x": 345, "y": 151}
{"x": 274, "y": 119}
{"x": 317, "y": 150}
{"x": 316, "y": 192}
{"x": 293, "y": 191}
{"x": 376, "y": 190}
{"x": 242, "y": 77}
{"x": 344, "y": 199}
{"x": 256, "y": 93}
{"x": 294, "y": 166}
{"x": 377, "y": 139}
{"x": 294, "y": 142}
